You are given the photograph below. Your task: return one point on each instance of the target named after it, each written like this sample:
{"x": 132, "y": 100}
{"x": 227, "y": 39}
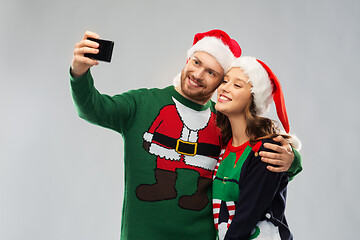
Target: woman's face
{"x": 234, "y": 93}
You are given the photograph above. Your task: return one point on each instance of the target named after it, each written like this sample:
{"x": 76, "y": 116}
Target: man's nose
{"x": 199, "y": 73}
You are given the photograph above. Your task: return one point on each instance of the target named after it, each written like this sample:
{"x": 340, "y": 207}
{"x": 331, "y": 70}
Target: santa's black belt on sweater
{"x": 187, "y": 148}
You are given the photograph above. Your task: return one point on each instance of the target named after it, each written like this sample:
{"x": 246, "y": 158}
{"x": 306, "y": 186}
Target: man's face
{"x": 200, "y": 77}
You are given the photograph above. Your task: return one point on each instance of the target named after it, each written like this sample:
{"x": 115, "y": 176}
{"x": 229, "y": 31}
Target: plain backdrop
{"x": 62, "y": 178}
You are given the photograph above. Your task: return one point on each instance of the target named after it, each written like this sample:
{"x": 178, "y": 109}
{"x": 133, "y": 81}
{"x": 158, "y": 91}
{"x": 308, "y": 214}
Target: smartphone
{"x": 105, "y": 50}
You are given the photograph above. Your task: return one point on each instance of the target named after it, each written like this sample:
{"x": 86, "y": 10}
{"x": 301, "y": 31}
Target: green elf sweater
{"x": 248, "y": 200}
{"x": 171, "y": 148}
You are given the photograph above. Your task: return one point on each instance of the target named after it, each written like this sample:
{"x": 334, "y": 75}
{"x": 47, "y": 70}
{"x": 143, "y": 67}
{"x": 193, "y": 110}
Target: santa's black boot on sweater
{"x": 163, "y": 189}
{"x": 199, "y": 199}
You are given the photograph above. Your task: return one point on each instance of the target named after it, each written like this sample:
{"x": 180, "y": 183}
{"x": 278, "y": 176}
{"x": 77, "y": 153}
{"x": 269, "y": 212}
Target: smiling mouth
{"x": 194, "y": 83}
{"x": 223, "y": 98}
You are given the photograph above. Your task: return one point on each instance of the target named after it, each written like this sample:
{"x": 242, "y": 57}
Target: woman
{"x": 249, "y": 200}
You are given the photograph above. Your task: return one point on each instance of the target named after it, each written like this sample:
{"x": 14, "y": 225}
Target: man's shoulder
{"x": 149, "y": 91}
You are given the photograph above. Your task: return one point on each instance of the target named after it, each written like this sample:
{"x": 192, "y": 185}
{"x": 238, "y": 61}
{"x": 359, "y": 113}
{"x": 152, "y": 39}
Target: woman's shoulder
{"x": 269, "y": 140}
{"x": 259, "y": 146}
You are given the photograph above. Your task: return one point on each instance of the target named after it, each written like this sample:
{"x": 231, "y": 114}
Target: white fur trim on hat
{"x": 176, "y": 80}
{"x": 215, "y": 47}
{"x": 261, "y": 85}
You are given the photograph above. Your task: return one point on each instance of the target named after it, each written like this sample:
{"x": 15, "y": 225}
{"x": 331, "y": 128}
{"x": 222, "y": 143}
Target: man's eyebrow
{"x": 210, "y": 69}
{"x": 195, "y": 58}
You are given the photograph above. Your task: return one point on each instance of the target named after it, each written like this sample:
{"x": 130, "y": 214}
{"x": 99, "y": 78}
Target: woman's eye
{"x": 237, "y": 85}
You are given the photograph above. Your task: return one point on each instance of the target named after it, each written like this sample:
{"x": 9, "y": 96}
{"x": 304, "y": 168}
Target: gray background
{"x": 62, "y": 178}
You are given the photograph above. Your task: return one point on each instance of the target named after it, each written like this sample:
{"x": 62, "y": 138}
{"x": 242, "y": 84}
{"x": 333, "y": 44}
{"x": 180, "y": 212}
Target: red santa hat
{"x": 216, "y": 43}
{"x": 265, "y": 87}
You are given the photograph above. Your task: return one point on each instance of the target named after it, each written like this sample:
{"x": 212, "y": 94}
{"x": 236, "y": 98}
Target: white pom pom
{"x": 295, "y": 142}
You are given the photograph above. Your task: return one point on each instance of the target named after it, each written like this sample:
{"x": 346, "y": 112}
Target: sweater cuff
{"x": 296, "y": 166}
{"x": 86, "y": 75}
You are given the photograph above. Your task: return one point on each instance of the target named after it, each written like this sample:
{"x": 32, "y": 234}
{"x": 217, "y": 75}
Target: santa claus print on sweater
{"x": 181, "y": 138}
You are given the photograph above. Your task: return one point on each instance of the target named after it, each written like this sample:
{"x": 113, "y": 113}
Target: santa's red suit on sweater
{"x": 181, "y": 138}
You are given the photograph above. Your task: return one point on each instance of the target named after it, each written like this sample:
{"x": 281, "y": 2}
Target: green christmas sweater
{"x": 171, "y": 147}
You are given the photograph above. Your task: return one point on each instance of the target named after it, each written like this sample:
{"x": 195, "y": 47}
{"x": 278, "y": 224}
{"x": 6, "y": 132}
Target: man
{"x": 170, "y": 138}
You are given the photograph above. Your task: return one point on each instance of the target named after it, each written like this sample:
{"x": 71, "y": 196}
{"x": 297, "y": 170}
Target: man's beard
{"x": 198, "y": 95}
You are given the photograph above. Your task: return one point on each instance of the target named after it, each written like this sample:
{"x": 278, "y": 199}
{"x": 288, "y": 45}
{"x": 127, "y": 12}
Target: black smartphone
{"x": 105, "y": 50}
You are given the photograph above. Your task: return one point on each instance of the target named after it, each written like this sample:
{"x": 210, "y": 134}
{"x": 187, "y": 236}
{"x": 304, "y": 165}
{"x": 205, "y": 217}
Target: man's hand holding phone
{"x": 88, "y": 52}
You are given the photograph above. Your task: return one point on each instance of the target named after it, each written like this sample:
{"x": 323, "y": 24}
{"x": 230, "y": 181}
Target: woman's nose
{"x": 225, "y": 87}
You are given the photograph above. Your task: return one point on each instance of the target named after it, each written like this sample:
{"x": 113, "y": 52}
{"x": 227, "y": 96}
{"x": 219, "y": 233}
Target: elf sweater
{"x": 249, "y": 200}
{"x": 167, "y": 138}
